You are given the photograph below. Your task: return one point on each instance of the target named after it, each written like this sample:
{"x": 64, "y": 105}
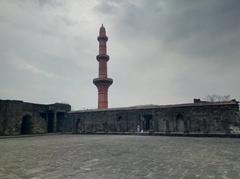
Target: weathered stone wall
{"x": 193, "y": 118}
{"x": 18, "y": 117}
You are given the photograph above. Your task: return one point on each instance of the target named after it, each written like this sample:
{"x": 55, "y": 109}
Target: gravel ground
{"x": 119, "y": 157}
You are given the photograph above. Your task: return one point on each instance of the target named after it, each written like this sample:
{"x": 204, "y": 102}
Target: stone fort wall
{"x": 196, "y": 118}
{"x": 18, "y": 117}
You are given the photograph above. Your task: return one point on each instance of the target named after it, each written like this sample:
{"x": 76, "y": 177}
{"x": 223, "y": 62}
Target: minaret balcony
{"x": 105, "y": 38}
{"x": 102, "y": 81}
{"x": 102, "y": 57}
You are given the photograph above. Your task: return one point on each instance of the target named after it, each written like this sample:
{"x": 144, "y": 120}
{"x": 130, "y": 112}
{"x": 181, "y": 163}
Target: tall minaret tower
{"x": 102, "y": 82}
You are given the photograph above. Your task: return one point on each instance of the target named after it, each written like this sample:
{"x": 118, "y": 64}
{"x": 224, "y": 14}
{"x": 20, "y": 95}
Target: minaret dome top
{"x": 102, "y": 31}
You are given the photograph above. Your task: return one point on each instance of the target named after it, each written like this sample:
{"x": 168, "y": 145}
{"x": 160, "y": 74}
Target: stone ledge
{"x": 164, "y": 134}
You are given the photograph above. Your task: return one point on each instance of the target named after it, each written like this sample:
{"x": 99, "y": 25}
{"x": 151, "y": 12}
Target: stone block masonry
{"x": 18, "y": 117}
{"x": 193, "y": 118}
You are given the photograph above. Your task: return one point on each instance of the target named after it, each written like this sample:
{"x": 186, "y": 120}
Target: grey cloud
{"x": 160, "y": 51}
{"x": 199, "y": 28}
{"x": 53, "y": 3}
{"x": 203, "y": 35}
{"x": 108, "y": 7}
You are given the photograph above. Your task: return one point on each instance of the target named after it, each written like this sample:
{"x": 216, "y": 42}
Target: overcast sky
{"x": 161, "y": 51}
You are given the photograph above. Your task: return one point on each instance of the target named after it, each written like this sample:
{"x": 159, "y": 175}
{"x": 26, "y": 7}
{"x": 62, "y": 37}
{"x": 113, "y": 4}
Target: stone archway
{"x": 167, "y": 129}
{"x": 77, "y": 126}
{"x": 119, "y": 124}
{"x": 50, "y": 122}
{"x": 147, "y": 122}
{"x": 27, "y": 125}
{"x": 205, "y": 125}
{"x": 179, "y": 123}
{"x": 80, "y": 125}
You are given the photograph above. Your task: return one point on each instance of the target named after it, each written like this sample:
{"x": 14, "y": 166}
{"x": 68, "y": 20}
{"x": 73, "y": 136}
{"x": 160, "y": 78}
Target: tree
{"x": 217, "y": 98}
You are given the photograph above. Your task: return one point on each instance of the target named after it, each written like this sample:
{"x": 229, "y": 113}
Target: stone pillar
{"x": 64, "y": 123}
{"x": 54, "y": 121}
{"x": 142, "y": 123}
{"x": 46, "y": 122}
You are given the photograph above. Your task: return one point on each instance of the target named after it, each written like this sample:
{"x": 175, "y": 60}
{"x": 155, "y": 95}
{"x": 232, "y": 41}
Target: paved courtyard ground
{"x": 119, "y": 157}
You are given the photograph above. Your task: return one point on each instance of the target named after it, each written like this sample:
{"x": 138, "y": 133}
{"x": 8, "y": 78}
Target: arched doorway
{"x": 77, "y": 125}
{"x": 167, "y": 126}
{"x": 205, "y": 125}
{"x": 50, "y": 122}
{"x": 119, "y": 124}
{"x": 147, "y": 122}
{"x": 179, "y": 123}
{"x": 80, "y": 126}
{"x": 27, "y": 125}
